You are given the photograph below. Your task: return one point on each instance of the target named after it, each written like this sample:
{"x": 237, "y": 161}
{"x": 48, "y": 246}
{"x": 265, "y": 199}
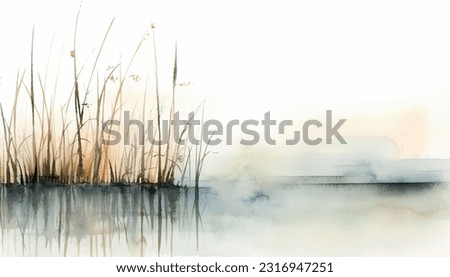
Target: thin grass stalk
{"x": 99, "y": 117}
{"x": 141, "y": 177}
{"x": 78, "y": 109}
{"x": 45, "y": 170}
{"x": 49, "y": 161}
{"x": 158, "y": 108}
{"x": 172, "y": 110}
{"x": 201, "y": 155}
{"x": 13, "y": 121}
{"x": 35, "y": 159}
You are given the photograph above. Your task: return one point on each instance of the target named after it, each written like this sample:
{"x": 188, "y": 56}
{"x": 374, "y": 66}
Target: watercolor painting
{"x": 224, "y": 128}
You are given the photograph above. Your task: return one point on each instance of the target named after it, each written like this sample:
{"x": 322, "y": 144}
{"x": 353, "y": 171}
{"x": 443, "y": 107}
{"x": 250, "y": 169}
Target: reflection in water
{"x": 279, "y": 217}
{"x": 97, "y": 220}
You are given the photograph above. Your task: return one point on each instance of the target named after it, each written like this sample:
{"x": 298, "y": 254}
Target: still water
{"x": 277, "y": 217}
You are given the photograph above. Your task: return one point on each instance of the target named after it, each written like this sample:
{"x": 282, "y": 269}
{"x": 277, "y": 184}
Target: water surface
{"x": 271, "y": 217}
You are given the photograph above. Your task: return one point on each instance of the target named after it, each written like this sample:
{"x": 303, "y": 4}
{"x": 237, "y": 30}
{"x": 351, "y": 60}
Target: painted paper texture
{"x": 224, "y": 128}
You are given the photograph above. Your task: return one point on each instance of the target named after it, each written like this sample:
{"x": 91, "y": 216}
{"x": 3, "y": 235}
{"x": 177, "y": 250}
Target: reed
{"x": 201, "y": 153}
{"x": 68, "y": 148}
{"x": 33, "y": 107}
